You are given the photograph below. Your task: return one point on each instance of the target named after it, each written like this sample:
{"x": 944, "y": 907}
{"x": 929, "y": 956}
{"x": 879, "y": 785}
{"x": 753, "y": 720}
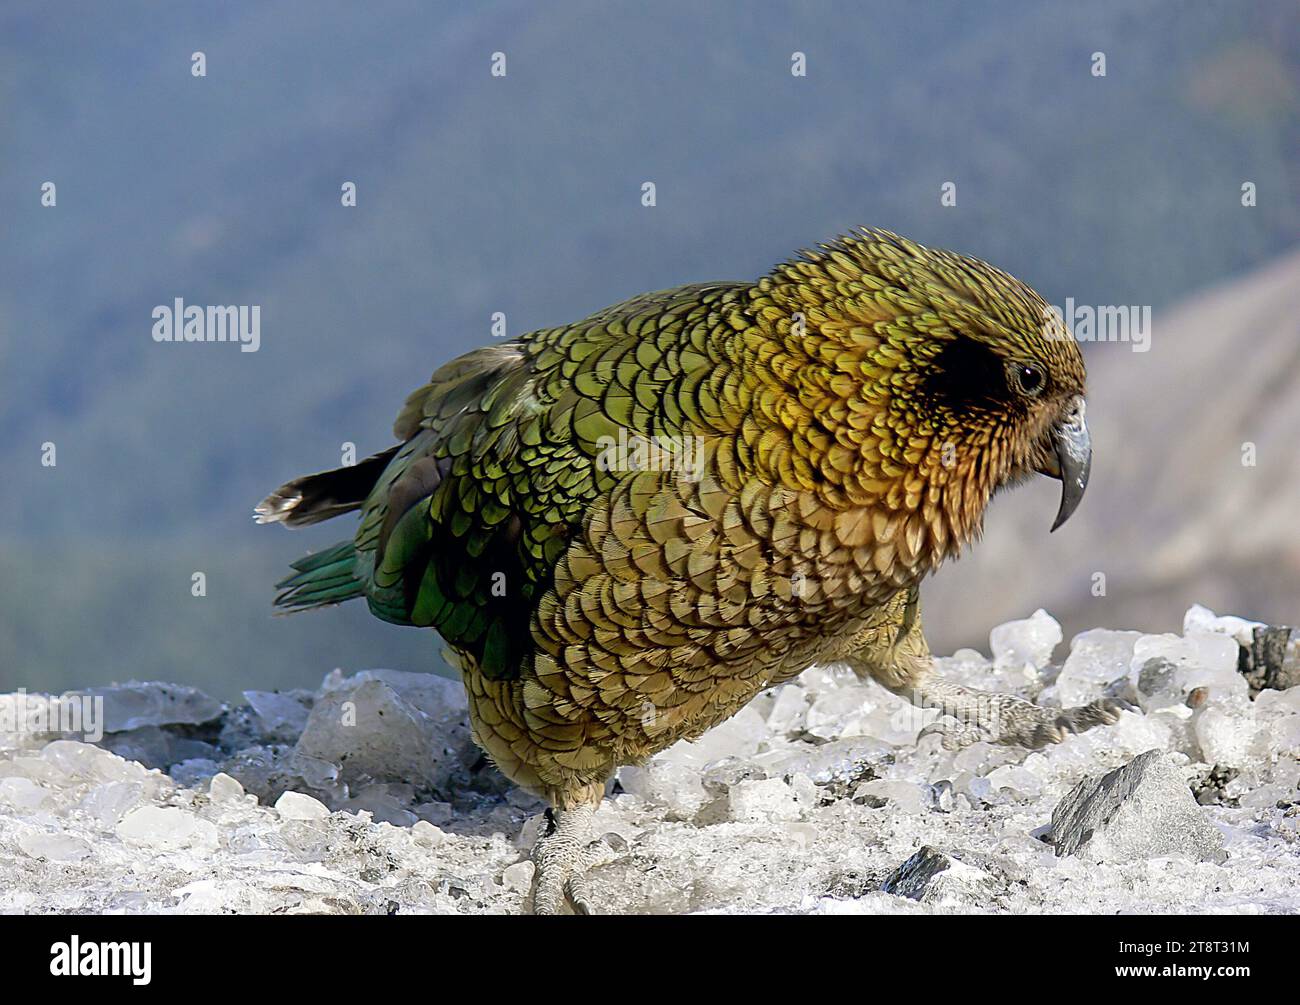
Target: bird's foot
{"x": 1014, "y": 722}
{"x": 561, "y": 861}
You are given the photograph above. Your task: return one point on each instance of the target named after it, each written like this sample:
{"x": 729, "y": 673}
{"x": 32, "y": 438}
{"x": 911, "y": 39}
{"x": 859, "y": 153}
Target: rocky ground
{"x": 825, "y": 796}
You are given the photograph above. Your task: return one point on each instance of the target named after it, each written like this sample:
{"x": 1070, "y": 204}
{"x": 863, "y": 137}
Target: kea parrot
{"x": 627, "y": 527}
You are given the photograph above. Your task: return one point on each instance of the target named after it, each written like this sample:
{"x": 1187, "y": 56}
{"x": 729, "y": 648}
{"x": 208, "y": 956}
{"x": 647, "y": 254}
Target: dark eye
{"x": 1028, "y": 378}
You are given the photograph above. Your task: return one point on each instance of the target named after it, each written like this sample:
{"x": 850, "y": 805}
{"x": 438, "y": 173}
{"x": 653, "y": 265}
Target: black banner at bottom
{"x": 429, "y": 953}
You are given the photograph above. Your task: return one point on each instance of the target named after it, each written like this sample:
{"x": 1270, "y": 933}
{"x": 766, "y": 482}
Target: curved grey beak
{"x": 1073, "y": 449}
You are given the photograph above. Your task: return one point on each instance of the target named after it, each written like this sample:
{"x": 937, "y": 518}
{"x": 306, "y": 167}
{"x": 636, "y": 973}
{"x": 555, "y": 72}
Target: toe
{"x": 953, "y": 737}
{"x": 1112, "y": 708}
{"x": 549, "y": 898}
{"x": 578, "y": 895}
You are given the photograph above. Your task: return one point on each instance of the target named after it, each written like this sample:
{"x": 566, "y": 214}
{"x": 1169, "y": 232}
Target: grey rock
{"x": 1265, "y": 663}
{"x": 911, "y": 878}
{"x": 194, "y": 772}
{"x": 281, "y": 715}
{"x": 157, "y": 747}
{"x": 1143, "y": 809}
{"x": 151, "y": 703}
{"x": 939, "y": 880}
{"x": 1211, "y": 788}
{"x": 390, "y": 726}
{"x": 1158, "y": 676}
{"x": 269, "y": 771}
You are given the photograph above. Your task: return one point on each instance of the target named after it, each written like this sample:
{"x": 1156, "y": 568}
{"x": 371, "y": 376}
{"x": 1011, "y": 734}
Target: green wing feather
{"x": 497, "y": 468}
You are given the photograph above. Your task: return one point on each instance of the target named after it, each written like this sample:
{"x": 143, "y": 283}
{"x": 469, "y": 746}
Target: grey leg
{"x": 561, "y": 860}
{"x": 1003, "y": 718}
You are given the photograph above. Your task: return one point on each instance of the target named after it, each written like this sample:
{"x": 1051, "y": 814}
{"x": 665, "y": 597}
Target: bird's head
{"x": 927, "y": 381}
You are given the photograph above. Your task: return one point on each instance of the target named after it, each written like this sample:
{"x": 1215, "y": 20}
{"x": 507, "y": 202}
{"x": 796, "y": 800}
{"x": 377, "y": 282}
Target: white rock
{"x": 167, "y": 828}
{"x": 34, "y": 769}
{"x": 300, "y": 806}
{"x": 85, "y": 762}
{"x": 26, "y": 713}
{"x": 673, "y": 785}
{"x": 1270, "y": 703}
{"x": 806, "y": 790}
{"x": 1017, "y": 779}
{"x": 427, "y": 835}
{"x": 980, "y": 757}
{"x": 1169, "y": 729}
{"x": 739, "y": 736}
{"x": 1280, "y": 735}
{"x": 208, "y": 896}
{"x": 21, "y": 793}
{"x": 110, "y": 802}
{"x": 1227, "y": 735}
{"x": 1098, "y": 658}
{"x": 674, "y": 777}
{"x": 840, "y": 762}
{"x": 1174, "y": 667}
{"x": 789, "y": 709}
{"x": 763, "y": 799}
{"x": 224, "y": 789}
{"x": 432, "y": 694}
{"x": 518, "y": 876}
{"x": 1284, "y": 787}
{"x": 838, "y": 713}
{"x": 890, "y": 719}
{"x": 973, "y": 669}
{"x": 1028, "y": 642}
{"x": 54, "y": 847}
{"x": 1214, "y": 654}
{"x": 802, "y": 835}
{"x": 905, "y": 797}
{"x": 1202, "y": 619}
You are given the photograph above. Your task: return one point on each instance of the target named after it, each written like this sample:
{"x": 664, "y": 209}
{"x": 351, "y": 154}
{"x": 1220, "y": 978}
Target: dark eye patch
{"x": 967, "y": 376}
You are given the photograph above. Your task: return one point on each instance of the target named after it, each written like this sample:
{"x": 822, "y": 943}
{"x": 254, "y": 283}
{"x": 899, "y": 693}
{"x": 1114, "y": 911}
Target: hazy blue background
{"x": 521, "y": 195}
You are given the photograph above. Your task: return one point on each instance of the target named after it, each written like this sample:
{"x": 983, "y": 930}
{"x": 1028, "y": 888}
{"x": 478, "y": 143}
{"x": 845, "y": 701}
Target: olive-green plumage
{"x": 629, "y": 526}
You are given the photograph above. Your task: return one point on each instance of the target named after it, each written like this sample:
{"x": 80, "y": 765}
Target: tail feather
{"x": 319, "y": 580}
{"x": 313, "y": 498}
